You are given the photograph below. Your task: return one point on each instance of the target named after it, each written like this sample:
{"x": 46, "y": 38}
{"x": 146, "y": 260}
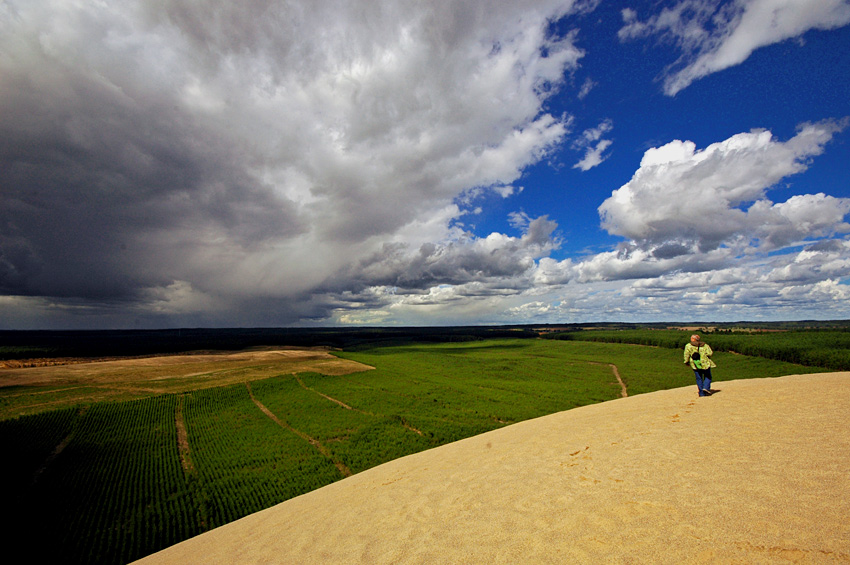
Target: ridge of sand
{"x": 757, "y": 473}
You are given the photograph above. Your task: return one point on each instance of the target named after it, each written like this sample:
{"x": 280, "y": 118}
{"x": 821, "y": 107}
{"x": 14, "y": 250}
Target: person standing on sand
{"x": 698, "y": 356}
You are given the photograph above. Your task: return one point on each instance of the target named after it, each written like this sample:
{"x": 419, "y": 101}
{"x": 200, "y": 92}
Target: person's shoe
{"x": 706, "y": 392}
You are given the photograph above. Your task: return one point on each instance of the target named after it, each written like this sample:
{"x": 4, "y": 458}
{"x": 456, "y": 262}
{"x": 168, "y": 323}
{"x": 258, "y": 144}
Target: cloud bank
{"x": 166, "y": 156}
{"x": 263, "y": 163}
{"x": 701, "y": 239}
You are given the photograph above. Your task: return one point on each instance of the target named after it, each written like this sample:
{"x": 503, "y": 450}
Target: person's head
{"x": 695, "y": 339}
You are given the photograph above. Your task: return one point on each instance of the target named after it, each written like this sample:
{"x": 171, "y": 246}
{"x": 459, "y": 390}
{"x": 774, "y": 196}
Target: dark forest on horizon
{"x": 20, "y": 344}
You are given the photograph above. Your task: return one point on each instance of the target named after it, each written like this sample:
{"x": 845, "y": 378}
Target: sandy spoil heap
{"x": 759, "y": 472}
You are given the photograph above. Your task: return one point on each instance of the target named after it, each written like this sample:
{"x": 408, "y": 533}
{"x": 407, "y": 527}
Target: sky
{"x": 178, "y": 163}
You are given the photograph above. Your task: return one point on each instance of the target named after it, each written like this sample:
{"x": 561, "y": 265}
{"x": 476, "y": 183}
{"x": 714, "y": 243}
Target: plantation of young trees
{"x": 817, "y": 348}
{"x": 111, "y": 482}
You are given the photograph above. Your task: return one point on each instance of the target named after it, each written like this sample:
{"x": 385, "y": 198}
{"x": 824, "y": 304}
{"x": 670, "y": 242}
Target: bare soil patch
{"x": 44, "y": 385}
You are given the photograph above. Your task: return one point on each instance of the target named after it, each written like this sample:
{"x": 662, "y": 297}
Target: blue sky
{"x": 170, "y": 164}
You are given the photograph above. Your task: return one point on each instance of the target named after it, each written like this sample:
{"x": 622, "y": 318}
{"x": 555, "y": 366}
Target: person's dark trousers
{"x": 703, "y": 381}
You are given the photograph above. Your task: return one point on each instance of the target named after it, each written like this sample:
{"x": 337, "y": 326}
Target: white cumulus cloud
{"x": 717, "y": 195}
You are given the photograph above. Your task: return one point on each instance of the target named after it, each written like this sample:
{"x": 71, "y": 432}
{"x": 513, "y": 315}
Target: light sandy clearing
{"x": 754, "y": 474}
{"x": 49, "y": 387}
{"x": 179, "y": 366}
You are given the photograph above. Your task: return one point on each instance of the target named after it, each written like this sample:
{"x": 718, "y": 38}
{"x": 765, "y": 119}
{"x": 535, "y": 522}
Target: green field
{"x": 110, "y": 482}
{"x": 828, "y": 348}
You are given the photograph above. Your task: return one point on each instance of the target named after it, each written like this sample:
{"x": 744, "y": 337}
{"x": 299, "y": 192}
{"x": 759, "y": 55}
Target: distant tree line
{"x": 128, "y": 343}
{"x": 828, "y": 348}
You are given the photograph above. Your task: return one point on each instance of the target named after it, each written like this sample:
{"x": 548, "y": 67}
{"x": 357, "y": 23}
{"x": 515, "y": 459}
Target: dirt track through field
{"x": 325, "y": 396}
{"x": 183, "y": 438}
{"x": 616, "y": 372}
{"x": 57, "y": 450}
{"x": 623, "y": 391}
{"x": 343, "y": 469}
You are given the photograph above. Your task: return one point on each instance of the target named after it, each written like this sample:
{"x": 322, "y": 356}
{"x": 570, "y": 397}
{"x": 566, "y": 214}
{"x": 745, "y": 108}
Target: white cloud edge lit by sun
{"x": 594, "y": 146}
{"x": 588, "y": 85}
{"x": 714, "y": 36}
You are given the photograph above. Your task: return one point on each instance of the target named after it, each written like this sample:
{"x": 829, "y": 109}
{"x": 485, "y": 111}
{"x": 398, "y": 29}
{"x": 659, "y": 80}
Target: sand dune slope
{"x": 758, "y": 473}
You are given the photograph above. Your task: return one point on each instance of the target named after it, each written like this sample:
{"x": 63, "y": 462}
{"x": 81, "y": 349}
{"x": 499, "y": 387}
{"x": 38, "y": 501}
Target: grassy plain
{"x": 207, "y": 441}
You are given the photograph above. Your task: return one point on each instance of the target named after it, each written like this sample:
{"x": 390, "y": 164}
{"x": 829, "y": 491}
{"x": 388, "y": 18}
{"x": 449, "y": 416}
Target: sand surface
{"x": 757, "y": 473}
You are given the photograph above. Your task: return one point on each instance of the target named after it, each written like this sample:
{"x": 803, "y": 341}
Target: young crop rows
{"x": 114, "y": 481}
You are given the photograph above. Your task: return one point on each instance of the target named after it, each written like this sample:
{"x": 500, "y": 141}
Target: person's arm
{"x": 687, "y": 354}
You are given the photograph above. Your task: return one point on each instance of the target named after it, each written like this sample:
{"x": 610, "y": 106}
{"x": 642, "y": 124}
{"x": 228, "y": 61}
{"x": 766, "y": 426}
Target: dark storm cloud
{"x": 88, "y": 174}
{"x": 193, "y": 160}
{"x": 468, "y": 259}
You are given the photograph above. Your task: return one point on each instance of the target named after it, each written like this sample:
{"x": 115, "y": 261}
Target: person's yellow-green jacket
{"x": 704, "y": 355}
